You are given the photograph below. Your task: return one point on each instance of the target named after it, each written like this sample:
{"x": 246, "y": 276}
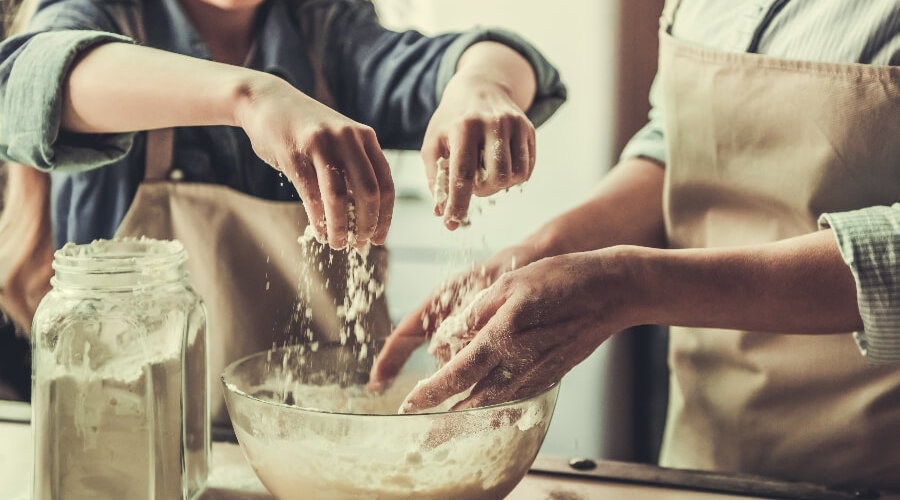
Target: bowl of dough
{"x": 311, "y": 430}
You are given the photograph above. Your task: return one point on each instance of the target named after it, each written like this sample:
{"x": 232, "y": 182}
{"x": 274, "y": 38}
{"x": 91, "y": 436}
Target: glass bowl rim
{"x": 234, "y": 389}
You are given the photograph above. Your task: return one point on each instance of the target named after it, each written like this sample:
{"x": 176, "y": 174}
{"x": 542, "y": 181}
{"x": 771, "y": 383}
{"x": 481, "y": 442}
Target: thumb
{"x": 399, "y": 346}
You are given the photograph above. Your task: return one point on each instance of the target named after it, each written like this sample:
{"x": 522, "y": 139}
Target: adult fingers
{"x": 495, "y": 388}
{"x": 471, "y": 365}
{"x": 486, "y": 304}
{"x": 300, "y": 171}
{"x": 396, "y": 352}
{"x": 547, "y": 370}
{"x": 399, "y": 346}
{"x": 464, "y": 154}
{"x": 385, "y": 187}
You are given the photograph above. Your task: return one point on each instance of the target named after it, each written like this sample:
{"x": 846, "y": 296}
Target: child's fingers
{"x": 302, "y": 175}
{"x": 464, "y": 153}
{"x": 497, "y": 162}
{"x": 362, "y": 187}
{"x": 385, "y": 188}
{"x": 335, "y": 196}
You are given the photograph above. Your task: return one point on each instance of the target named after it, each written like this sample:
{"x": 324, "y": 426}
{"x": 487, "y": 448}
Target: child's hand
{"x": 488, "y": 139}
{"x": 335, "y": 163}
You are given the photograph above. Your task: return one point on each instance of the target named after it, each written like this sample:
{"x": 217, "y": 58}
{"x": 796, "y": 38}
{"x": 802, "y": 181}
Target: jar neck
{"x": 125, "y": 265}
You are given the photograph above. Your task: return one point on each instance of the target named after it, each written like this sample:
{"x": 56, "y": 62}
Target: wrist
{"x": 245, "y": 94}
{"x": 636, "y": 279}
{"x": 493, "y": 65}
{"x": 548, "y": 241}
{"x": 479, "y": 84}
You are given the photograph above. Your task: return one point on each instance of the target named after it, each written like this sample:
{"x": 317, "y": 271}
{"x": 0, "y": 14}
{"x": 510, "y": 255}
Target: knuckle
{"x": 471, "y": 122}
{"x": 505, "y": 122}
{"x": 367, "y": 132}
{"x": 345, "y": 131}
{"x": 337, "y": 199}
{"x": 316, "y": 137}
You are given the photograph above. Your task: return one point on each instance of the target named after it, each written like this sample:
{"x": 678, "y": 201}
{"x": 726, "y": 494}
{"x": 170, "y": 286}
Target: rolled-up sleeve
{"x": 33, "y": 69}
{"x": 650, "y": 141}
{"x": 551, "y": 92}
{"x": 393, "y": 81}
{"x": 869, "y": 241}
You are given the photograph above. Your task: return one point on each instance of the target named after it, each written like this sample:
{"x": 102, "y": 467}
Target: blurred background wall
{"x": 611, "y": 406}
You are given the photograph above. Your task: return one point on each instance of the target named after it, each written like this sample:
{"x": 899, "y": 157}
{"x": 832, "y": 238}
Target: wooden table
{"x": 232, "y": 478}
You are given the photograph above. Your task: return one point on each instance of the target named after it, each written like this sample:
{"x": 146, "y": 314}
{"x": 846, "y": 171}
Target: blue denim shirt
{"x": 388, "y": 80}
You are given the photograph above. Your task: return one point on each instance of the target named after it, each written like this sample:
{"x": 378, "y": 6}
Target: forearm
{"x": 798, "y": 285}
{"x": 626, "y": 209}
{"x": 496, "y": 64}
{"x": 118, "y": 87}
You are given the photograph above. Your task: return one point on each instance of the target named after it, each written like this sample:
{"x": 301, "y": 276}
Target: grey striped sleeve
{"x": 650, "y": 141}
{"x": 869, "y": 241}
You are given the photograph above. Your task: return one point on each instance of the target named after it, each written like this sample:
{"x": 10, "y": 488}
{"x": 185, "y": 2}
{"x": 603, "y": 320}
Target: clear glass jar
{"x": 119, "y": 403}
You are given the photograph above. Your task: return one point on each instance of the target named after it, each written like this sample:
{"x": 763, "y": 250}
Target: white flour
{"x": 454, "y": 333}
{"x": 101, "y": 430}
{"x": 362, "y": 289}
{"x": 109, "y": 418}
{"x": 440, "y": 188}
{"x": 340, "y": 457}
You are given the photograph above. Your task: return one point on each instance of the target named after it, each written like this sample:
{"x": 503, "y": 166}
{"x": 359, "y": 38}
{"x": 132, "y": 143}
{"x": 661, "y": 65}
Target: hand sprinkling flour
{"x": 440, "y": 189}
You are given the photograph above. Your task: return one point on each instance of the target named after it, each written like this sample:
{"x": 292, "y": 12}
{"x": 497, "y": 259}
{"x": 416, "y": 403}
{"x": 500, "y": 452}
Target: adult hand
{"x": 335, "y": 163}
{"x": 487, "y": 139}
{"x": 532, "y": 326}
{"x": 449, "y": 298}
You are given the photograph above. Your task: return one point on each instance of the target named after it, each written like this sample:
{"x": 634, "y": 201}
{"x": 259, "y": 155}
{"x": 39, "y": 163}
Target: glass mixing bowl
{"x": 311, "y": 431}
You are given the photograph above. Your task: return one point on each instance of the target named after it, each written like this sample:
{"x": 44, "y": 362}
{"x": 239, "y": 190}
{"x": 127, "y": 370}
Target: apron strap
{"x": 158, "y": 162}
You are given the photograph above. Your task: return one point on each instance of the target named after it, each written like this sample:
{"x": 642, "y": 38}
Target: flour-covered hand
{"x": 487, "y": 139}
{"x": 481, "y": 127}
{"x": 449, "y": 298}
{"x": 335, "y": 163}
{"x": 530, "y": 328}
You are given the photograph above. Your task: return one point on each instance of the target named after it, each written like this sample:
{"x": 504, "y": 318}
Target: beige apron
{"x": 244, "y": 260}
{"x": 758, "y": 148}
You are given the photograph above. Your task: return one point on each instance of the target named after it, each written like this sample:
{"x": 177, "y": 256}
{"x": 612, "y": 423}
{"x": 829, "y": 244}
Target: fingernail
{"x": 406, "y": 407}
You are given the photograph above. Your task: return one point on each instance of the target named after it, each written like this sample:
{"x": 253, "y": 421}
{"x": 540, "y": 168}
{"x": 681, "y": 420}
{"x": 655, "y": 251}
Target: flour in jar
{"x": 114, "y": 432}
